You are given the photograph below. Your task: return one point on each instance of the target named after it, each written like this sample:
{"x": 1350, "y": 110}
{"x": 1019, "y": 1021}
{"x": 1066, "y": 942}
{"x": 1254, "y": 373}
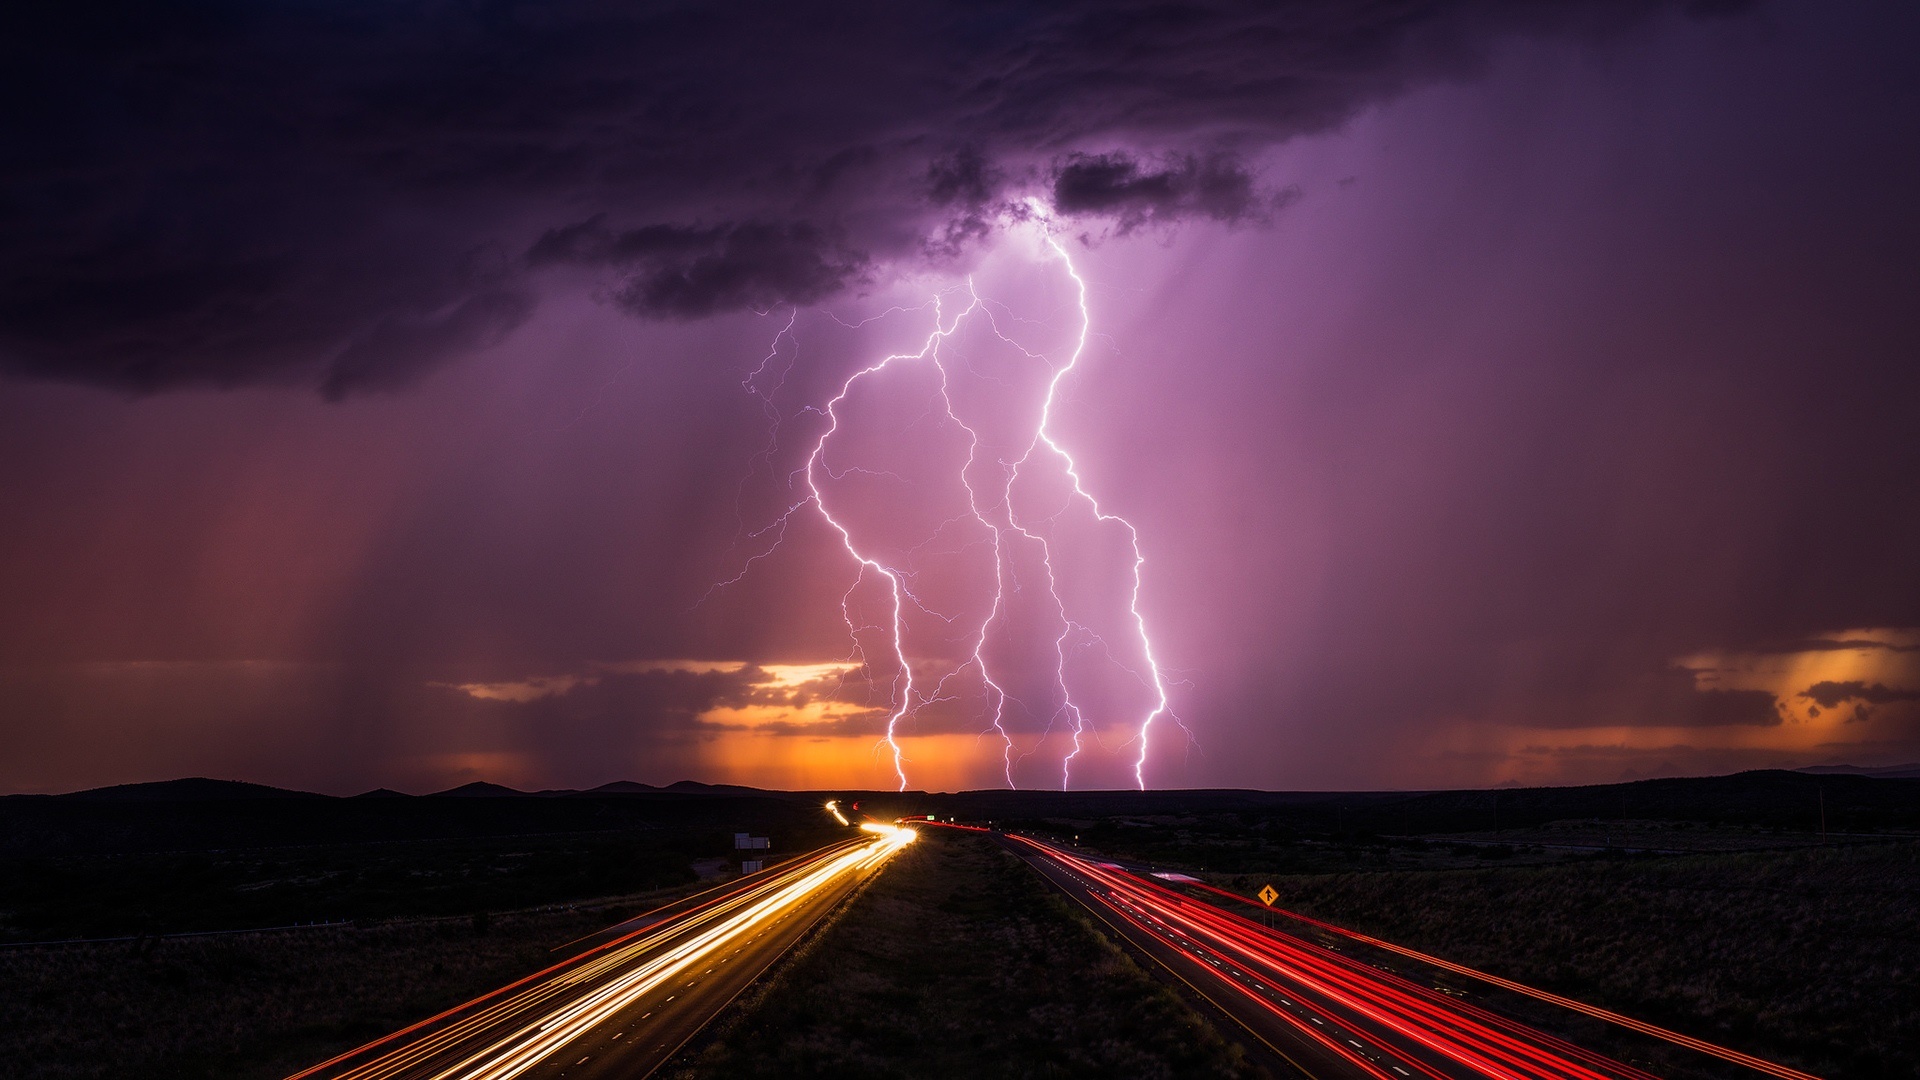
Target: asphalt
{"x": 631, "y": 998}
{"x": 1327, "y": 1015}
{"x": 646, "y": 1035}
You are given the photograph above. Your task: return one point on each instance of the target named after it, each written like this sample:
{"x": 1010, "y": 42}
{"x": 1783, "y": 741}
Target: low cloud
{"x": 1830, "y": 695}
{"x": 397, "y": 352}
{"x": 778, "y": 699}
{"x": 1899, "y": 641}
{"x": 1721, "y": 708}
{"x": 671, "y": 271}
{"x": 522, "y": 691}
{"x": 1133, "y": 193}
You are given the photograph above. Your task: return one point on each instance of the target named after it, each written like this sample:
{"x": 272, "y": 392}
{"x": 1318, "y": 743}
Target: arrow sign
{"x": 1267, "y": 895}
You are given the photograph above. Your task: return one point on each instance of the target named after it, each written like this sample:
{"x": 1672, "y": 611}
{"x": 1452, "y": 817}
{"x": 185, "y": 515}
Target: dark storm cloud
{"x": 1849, "y": 645}
{"x": 620, "y": 709}
{"x": 393, "y": 353}
{"x": 1134, "y": 194}
{"x": 1720, "y": 708}
{"x": 219, "y": 193}
{"x": 1831, "y": 694}
{"x": 691, "y": 272}
{"x": 964, "y": 187}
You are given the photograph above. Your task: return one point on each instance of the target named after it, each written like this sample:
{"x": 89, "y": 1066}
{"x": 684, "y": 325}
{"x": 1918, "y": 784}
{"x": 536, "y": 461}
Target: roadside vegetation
{"x": 440, "y": 899}
{"x": 77, "y": 868}
{"x": 1720, "y": 907}
{"x": 1806, "y": 956}
{"x": 958, "y": 962}
{"x": 253, "y": 1005}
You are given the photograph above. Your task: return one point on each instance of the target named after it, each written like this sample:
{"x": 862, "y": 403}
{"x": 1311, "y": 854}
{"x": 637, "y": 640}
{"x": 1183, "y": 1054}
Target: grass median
{"x": 959, "y": 962}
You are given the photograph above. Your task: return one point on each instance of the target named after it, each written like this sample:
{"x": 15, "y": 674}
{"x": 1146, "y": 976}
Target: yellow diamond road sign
{"x": 1267, "y": 895}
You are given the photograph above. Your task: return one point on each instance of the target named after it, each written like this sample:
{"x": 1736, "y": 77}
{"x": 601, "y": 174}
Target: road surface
{"x": 1327, "y": 1013}
{"x": 624, "y": 1006}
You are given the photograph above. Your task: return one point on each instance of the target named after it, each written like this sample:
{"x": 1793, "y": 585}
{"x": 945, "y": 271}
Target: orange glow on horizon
{"x": 819, "y": 762}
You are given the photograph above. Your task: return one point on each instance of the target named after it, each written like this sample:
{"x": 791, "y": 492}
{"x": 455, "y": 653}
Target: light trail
{"x": 993, "y": 511}
{"x": 626, "y": 940}
{"x": 504, "y": 1034}
{"x": 1702, "y": 1046}
{"x": 1415, "y": 1014}
{"x": 1407, "y": 1027}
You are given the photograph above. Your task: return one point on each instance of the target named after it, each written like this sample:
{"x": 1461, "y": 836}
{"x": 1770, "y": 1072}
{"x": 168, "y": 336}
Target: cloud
{"x": 395, "y": 352}
{"x": 520, "y": 691}
{"x": 211, "y": 193}
{"x": 1830, "y": 695}
{"x": 686, "y": 272}
{"x": 775, "y": 698}
{"x": 1118, "y": 186}
{"x": 1899, "y": 641}
{"x": 963, "y": 186}
{"x": 1723, "y": 708}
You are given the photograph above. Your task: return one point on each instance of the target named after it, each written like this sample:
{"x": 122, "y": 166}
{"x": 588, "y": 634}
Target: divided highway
{"x": 1329, "y": 1014}
{"x": 623, "y": 1007}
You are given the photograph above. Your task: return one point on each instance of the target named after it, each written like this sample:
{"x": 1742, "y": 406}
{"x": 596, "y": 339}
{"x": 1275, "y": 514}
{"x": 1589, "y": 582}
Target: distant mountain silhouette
{"x": 480, "y": 789}
{"x": 201, "y": 788}
{"x": 191, "y": 788}
{"x": 695, "y": 786}
{"x": 622, "y": 787}
{"x": 1909, "y": 771}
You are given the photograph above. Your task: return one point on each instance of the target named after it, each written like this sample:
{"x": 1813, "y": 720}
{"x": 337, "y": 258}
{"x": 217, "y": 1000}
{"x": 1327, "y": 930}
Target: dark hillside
{"x": 204, "y": 855}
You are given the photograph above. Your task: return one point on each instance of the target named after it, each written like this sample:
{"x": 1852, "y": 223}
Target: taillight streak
{"x": 1463, "y": 1034}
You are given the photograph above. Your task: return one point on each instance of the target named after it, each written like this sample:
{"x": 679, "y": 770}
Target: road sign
{"x": 1267, "y": 895}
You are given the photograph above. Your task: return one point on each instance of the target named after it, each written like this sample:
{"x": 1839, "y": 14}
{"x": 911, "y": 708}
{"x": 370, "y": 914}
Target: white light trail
{"x": 554, "y": 1012}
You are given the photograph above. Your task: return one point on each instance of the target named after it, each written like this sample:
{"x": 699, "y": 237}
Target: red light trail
{"x": 1641, "y": 1026}
{"x": 1373, "y": 1022}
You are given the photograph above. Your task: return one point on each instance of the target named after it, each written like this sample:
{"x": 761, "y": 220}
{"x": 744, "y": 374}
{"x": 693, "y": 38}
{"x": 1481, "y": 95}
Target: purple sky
{"x": 1501, "y": 392}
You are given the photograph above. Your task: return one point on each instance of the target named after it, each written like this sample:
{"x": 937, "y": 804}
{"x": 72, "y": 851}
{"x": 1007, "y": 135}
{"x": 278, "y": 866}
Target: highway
{"x": 1328, "y": 1014}
{"x": 624, "y": 1006}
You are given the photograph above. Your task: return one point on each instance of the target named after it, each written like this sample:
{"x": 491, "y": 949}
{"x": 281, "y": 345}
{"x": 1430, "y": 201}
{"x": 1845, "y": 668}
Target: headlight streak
{"x": 542, "y": 1039}
{"x": 1464, "y": 1035}
{"x": 725, "y": 919}
{"x": 440, "y": 1041}
{"x": 648, "y": 937}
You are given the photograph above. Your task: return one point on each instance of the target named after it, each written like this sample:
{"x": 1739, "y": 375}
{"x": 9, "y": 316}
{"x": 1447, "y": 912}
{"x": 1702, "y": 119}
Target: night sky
{"x": 413, "y": 393}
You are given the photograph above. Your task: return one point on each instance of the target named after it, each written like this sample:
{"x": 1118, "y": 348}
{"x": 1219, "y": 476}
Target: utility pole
{"x": 1823, "y": 811}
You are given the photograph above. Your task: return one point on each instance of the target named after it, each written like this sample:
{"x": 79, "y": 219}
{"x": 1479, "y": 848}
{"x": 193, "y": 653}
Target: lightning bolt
{"x": 978, "y": 659}
{"x": 994, "y": 513}
{"x": 1044, "y": 435}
